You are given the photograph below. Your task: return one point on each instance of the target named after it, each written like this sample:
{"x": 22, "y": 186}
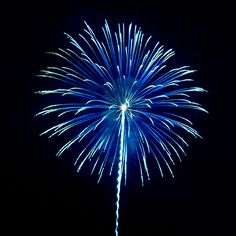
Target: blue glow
{"x": 123, "y": 92}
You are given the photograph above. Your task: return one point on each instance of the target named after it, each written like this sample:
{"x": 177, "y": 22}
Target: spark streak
{"x": 123, "y": 154}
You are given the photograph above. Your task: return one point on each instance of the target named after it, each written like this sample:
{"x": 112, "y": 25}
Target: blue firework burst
{"x": 121, "y": 91}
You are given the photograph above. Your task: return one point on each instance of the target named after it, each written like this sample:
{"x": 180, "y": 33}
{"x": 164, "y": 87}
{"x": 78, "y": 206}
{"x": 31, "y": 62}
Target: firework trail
{"x": 121, "y": 90}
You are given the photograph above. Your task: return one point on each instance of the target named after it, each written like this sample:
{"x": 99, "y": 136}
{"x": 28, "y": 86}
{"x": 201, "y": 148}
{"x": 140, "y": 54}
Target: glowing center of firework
{"x": 123, "y": 107}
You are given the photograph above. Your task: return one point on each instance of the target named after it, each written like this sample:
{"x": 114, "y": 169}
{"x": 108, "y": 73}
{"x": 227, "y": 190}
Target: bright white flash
{"x": 123, "y": 107}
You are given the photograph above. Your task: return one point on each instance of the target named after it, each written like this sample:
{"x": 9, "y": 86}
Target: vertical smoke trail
{"x": 119, "y": 172}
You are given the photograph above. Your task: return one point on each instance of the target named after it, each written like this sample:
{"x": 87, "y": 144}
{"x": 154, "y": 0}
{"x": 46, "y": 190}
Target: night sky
{"x": 43, "y": 194}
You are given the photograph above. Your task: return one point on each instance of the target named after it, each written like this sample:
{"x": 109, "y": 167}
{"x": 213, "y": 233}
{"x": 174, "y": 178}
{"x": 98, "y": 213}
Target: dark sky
{"x": 44, "y": 194}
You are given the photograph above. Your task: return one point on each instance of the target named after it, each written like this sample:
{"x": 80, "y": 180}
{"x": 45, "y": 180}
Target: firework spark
{"x": 121, "y": 90}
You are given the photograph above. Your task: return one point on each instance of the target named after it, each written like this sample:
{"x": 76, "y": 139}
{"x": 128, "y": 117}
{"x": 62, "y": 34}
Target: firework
{"x": 117, "y": 90}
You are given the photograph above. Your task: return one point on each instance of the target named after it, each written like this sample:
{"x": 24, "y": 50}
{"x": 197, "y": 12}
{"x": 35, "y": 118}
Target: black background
{"x": 42, "y": 194}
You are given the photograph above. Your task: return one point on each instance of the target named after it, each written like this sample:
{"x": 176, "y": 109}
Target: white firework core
{"x": 123, "y": 107}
